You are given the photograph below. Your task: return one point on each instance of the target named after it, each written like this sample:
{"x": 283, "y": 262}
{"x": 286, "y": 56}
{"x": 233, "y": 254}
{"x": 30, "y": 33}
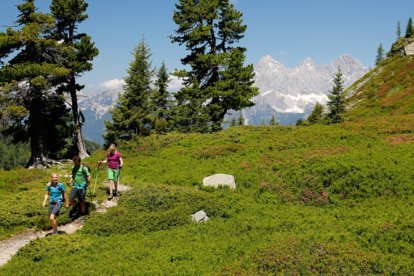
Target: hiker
{"x": 57, "y": 194}
{"x": 115, "y": 162}
{"x": 80, "y": 179}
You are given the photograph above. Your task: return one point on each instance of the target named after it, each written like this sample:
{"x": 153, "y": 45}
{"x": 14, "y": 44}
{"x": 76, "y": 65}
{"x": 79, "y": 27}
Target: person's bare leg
{"x": 111, "y": 188}
{"x": 53, "y": 222}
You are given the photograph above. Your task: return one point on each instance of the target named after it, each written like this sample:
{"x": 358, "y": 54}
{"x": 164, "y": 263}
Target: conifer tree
{"x": 233, "y": 121}
{"x": 161, "y": 99}
{"x": 336, "y": 102}
{"x": 398, "y": 30}
{"x": 186, "y": 115}
{"x": 27, "y": 76}
{"x": 133, "y": 115}
{"x": 241, "y": 120}
{"x": 78, "y": 57}
{"x": 316, "y": 117}
{"x": 409, "y": 31}
{"x": 380, "y": 55}
{"x": 273, "y": 121}
{"x": 218, "y": 80}
{"x": 300, "y": 122}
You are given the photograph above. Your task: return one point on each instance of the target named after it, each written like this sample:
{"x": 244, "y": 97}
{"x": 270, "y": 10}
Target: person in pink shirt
{"x": 115, "y": 162}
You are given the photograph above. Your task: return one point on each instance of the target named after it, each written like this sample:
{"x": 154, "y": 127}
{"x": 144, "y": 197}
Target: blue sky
{"x": 289, "y": 31}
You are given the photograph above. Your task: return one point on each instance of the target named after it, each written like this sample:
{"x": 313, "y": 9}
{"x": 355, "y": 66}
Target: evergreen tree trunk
{"x": 80, "y": 144}
{"x": 36, "y": 131}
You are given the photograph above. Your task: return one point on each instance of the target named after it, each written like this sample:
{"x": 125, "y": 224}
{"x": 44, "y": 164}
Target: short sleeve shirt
{"x": 80, "y": 176}
{"x": 113, "y": 160}
{"x": 55, "y": 192}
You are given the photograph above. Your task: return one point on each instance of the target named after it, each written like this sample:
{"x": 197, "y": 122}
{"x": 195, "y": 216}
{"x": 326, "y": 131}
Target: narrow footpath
{"x": 9, "y": 247}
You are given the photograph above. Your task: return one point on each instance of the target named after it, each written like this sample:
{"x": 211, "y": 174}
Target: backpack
{"x": 84, "y": 166}
{"x": 88, "y": 167}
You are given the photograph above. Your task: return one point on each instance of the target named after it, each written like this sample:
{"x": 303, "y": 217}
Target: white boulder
{"x": 199, "y": 216}
{"x": 220, "y": 179}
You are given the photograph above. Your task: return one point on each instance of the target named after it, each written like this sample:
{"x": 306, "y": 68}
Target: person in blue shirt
{"x": 55, "y": 191}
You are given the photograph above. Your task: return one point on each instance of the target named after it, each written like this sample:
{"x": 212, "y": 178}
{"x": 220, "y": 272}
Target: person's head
{"x": 76, "y": 160}
{"x": 54, "y": 178}
{"x": 112, "y": 148}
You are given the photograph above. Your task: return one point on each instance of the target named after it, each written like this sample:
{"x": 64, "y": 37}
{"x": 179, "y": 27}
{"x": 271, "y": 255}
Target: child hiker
{"x": 57, "y": 194}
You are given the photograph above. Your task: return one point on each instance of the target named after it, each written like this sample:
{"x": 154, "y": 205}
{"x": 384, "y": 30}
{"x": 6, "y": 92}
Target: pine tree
{"x": 78, "y": 57}
{"x": 409, "y": 31}
{"x": 336, "y": 102}
{"x": 398, "y": 30}
{"x": 186, "y": 115}
{"x": 218, "y": 80}
{"x": 133, "y": 113}
{"x": 273, "y": 121}
{"x": 380, "y": 55}
{"x": 300, "y": 122}
{"x": 241, "y": 120}
{"x": 316, "y": 117}
{"x": 233, "y": 121}
{"x": 26, "y": 78}
{"x": 161, "y": 100}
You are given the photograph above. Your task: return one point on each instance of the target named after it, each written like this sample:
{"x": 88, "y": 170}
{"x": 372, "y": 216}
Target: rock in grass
{"x": 220, "y": 179}
{"x": 200, "y": 216}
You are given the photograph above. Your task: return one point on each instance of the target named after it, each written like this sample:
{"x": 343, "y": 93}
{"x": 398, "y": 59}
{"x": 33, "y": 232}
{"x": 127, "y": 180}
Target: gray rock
{"x": 409, "y": 49}
{"x": 220, "y": 179}
{"x": 200, "y": 216}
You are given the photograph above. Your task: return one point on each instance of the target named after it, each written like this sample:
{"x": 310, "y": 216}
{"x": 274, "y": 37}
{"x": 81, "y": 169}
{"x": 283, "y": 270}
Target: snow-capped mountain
{"x": 290, "y": 93}
{"x": 286, "y": 93}
{"x": 95, "y": 107}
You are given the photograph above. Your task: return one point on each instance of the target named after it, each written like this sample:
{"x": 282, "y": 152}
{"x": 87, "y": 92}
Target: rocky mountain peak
{"x": 347, "y": 64}
{"x": 267, "y": 63}
{"x": 288, "y": 93}
{"x": 308, "y": 63}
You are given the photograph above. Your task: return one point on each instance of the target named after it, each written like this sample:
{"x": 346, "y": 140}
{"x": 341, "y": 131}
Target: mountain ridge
{"x": 286, "y": 93}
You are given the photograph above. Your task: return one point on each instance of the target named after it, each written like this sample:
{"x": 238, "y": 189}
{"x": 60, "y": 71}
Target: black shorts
{"x": 54, "y": 208}
{"x": 77, "y": 194}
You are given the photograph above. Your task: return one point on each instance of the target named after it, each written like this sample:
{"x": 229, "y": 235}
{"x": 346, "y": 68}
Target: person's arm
{"x": 45, "y": 200}
{"x": 102, "y": 162}
{"x": 70, "y": 181}
{"x": 65, "y": 197}
{"x": 121, "y": 162}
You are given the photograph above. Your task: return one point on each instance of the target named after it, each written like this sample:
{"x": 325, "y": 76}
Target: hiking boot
{"x": 73, "y": 213}
{"x": 115, "y": 193}
{"x": 55, "y": 232}
{"x": 110, "y": 196}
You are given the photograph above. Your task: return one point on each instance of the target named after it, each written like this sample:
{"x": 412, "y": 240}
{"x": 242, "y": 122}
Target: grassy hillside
{"x": 386, "y": 90}
{"x": 319, "y": 199}
{"x": 326, "y": 199}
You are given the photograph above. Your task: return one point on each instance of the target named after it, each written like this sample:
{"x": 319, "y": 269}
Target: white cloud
{"x": 175, "y": 84}
{"x": 114, "y": 84}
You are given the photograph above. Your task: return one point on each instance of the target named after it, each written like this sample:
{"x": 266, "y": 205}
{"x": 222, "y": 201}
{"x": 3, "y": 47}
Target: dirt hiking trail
{"x": 9, "y": 247}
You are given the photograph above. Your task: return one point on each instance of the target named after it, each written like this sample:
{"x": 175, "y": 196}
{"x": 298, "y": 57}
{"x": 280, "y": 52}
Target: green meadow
{"x": 324, "y": 199}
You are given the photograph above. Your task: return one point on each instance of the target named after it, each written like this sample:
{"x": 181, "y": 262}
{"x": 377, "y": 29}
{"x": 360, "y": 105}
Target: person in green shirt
{"x": 78, "y": 183}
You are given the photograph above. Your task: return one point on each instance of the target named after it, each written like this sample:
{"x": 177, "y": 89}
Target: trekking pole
{"x": 96, "y": 180}
{"x": 117, "y": 180}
